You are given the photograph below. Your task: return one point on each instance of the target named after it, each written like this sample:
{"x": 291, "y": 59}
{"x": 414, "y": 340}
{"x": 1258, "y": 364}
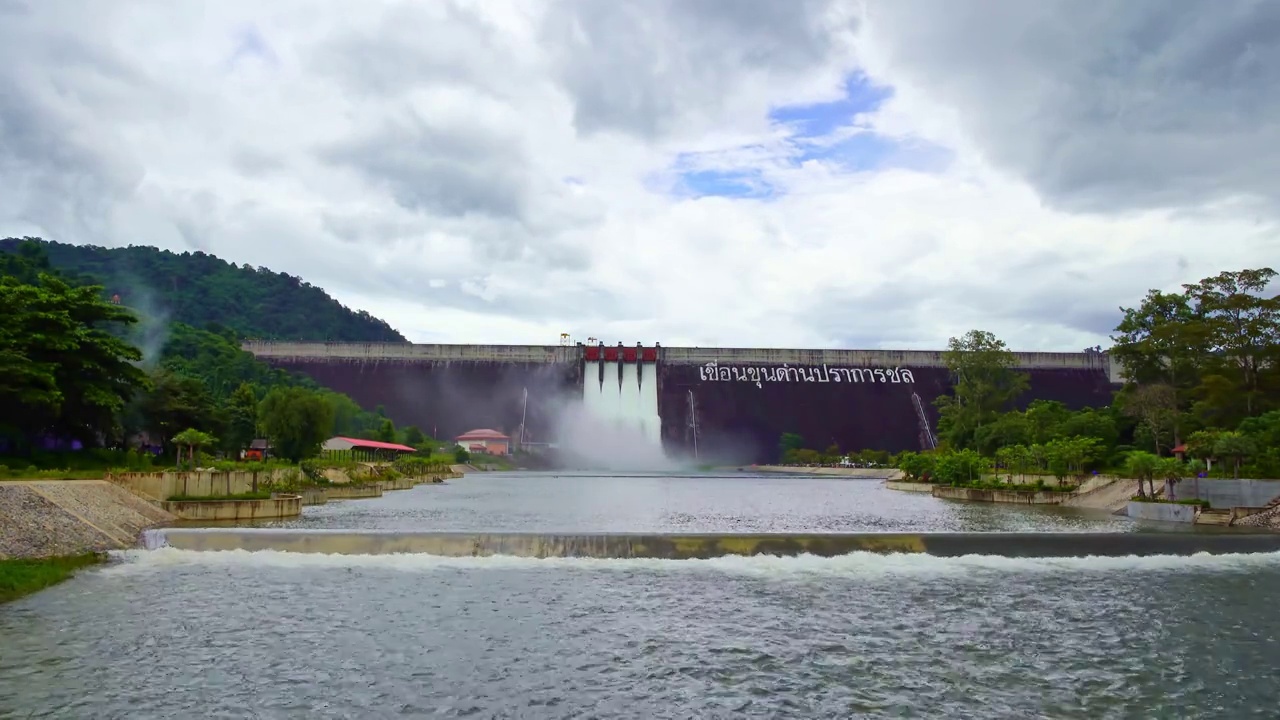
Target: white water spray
{"x": 617, "y": 426}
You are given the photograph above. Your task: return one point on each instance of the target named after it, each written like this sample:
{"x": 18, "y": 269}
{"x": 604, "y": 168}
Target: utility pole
{"x": 523, "y": 413}
{"x": 693, "y": 424}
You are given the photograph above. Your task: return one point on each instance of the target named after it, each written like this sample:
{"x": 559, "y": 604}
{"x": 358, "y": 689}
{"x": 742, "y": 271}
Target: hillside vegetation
{"x": 200, "y": 290}
{"x": 76, "y": 366}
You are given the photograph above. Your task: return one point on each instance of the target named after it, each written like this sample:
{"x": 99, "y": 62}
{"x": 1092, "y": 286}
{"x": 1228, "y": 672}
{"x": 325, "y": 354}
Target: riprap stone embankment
{"x": 71, "y": 517}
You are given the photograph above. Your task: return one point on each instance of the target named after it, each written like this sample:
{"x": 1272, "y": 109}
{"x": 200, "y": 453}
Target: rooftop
{"x": 376, "y": 444}
{"x": 482, "y": 434}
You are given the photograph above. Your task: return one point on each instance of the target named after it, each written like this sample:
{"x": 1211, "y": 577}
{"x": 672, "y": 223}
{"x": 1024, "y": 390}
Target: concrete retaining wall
{"x": 1229, "y": 493}
{"x": 164, "y": 485}
{"x": 353, "y": 492}
{"x": 278, "y": 506}
{"x": 915, "y": 487}
{"x": 1161, "y": 512}
{"x": 314, "y": 496}
{"x": 999, "y": 496}
{"x": 691, "y": 546}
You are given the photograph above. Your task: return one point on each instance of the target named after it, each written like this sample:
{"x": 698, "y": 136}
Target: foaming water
{"x": 853, "y": 565}
{"x": 278, "y": 635}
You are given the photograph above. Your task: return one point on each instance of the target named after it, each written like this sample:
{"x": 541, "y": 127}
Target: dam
{"x": 714, "y": 404}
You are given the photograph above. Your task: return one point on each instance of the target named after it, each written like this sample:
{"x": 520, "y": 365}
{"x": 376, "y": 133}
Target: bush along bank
{"x": 20, "y": 577}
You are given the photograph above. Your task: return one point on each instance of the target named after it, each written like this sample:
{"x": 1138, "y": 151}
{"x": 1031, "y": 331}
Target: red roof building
{"x": 484, "y": 440}
{"x": 346, "y": 443}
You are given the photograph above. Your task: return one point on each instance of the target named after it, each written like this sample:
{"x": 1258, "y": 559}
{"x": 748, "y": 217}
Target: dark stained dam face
{"x": 712, "y": 405}
{"x": 448, "y": 398}
{"x": 558, "y": 625}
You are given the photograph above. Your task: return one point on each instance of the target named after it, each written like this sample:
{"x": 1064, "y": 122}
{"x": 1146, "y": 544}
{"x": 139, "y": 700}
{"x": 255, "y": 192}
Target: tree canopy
{"x": 70, "y": 369}
{"x": 199, "y": 290}
{"x": 62, "y": 373}
{"x": 1202, "y": 375}
{"x": 1205, "y": 358}
{"x": 984, "y": 384}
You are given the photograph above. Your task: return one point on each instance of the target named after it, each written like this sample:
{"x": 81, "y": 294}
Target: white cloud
{"x": 494, "y": 172}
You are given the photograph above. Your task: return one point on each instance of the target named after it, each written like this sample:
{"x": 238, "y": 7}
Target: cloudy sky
{"x": 770, "y": 173}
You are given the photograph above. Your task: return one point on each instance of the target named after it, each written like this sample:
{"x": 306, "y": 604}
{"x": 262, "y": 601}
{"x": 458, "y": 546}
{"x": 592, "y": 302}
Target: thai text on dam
{"x": 760, "y": 374}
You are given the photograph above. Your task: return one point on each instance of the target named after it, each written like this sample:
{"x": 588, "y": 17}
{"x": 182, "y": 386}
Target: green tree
{"x": 242, "y": 418}
{"x": 413, "y": 437}
{"x": 198, "y": 289}
{"x": 1172, "y": 471}
{"x": 1143, "y": 467}
{"x": 917, "y": 467}
{"x": 1092, "y": 423}
{"x": 1243, "y": 325}
{"x": 1045, "y": 419}
{"x": 961, "y": 467}
{"x": 1201, "y": 443}
{"x": 1071, "y": 456}
{"x": 1155, "y": 408}
{"x": 1015, "y": 459}
{"x": 1161, "y": 342}
{"x": 386, "y": 432}
{"x": 296, "y": 421}
{"x": 1234, "y": 447}
{"x": 788, "y": 444}
{"x": 1011, "y": 428}
{"x": 985, "y": 383}
{"x": 193, "y": 440}
{"x": 62, "y": 371}
{"x": 175, "y": 402}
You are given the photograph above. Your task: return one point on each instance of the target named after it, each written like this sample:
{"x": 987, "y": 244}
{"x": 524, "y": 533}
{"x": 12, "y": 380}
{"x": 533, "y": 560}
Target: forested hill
{"x": 200, "y": 289}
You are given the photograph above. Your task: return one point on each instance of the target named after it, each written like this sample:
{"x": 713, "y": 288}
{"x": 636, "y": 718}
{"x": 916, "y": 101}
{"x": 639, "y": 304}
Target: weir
{"x": 703, "y": 546}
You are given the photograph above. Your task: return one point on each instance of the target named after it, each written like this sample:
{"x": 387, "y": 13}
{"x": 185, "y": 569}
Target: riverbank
{"x": 1096, "y": 493}
{"x": 20, "y": 577}
{"x": 65, "y": 518}
{"x": 869, "y": 473}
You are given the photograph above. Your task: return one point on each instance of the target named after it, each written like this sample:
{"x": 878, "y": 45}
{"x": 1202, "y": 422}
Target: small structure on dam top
{"x": 719, "y": 404}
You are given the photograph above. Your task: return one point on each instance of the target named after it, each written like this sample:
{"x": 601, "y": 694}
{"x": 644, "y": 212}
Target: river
{"x": 169, "y": 633}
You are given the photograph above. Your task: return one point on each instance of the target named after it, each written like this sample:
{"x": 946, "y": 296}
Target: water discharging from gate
{"x": 618, "y": 427}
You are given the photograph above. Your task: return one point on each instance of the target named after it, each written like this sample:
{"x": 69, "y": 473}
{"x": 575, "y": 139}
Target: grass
{"x": 215, "y": 498}
{"x": 23, "y": 577}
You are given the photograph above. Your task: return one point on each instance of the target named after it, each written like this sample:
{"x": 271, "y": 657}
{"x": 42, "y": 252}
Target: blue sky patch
{"x": 251, "y": 45}
{"x": 822, "y": 119}
{"x": 725, "y": 183}
{"x": 823, "y": 132}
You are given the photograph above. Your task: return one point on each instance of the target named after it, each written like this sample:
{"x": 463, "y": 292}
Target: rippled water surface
{"x": 663, "y": 503}
{"x": 177, "y": 634}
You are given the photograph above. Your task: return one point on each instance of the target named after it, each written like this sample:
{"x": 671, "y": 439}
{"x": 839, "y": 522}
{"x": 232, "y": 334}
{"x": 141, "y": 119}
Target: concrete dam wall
{"x": 720, "y": 404}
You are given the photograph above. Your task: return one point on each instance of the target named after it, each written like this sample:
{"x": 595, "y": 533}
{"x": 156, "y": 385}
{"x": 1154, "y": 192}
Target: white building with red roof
{"x": 484, "y": 440}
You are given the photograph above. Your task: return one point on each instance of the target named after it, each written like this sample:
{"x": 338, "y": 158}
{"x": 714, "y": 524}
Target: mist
{"x": 589, "y": 442}
{"x": 151, "y": 331}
